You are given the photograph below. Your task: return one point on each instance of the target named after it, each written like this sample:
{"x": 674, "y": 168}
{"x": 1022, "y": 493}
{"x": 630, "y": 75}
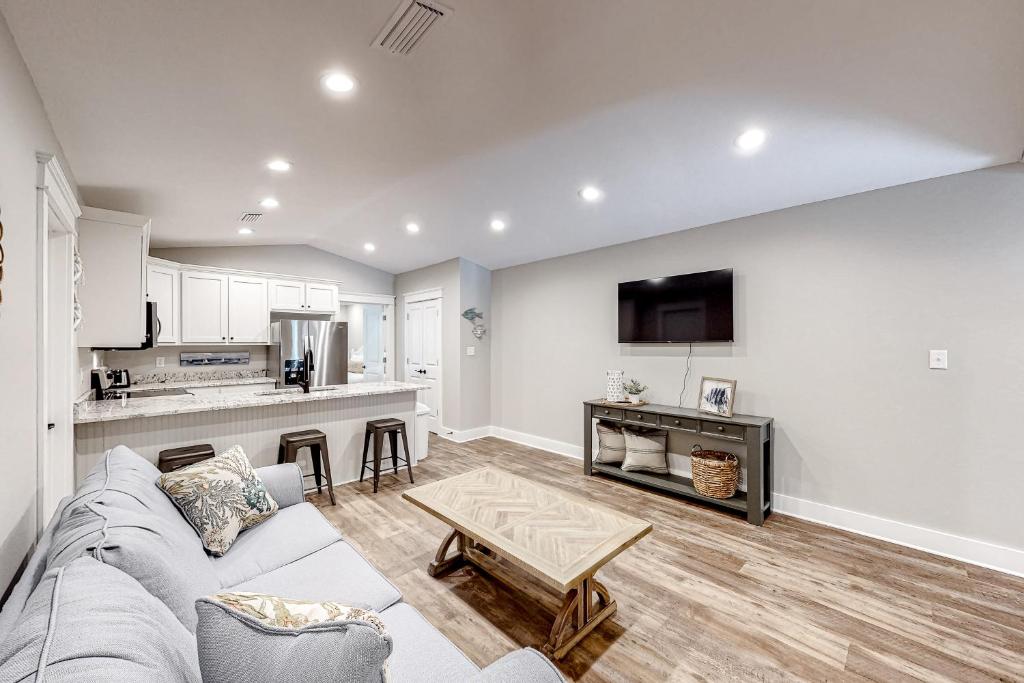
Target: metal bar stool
{"x": 316, "y": 441}
{"x": 176, "y": 458}
{"x": 377, "y": 429}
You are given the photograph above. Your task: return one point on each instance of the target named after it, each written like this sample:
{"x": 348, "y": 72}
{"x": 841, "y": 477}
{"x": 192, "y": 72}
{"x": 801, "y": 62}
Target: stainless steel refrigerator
{"x": 320, "y": 343}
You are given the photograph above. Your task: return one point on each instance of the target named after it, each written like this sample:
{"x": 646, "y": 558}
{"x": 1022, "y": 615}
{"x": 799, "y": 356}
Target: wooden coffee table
{"x": 558, "y": 539}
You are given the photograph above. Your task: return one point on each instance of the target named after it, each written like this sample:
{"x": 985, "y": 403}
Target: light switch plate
{"x": 160, "y": 361}
{"x": 938, "y": 359}
{"x": 470, "y": 350}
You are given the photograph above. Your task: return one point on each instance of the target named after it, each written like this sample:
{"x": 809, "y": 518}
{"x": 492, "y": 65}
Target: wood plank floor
{"x": 706, "y": 596}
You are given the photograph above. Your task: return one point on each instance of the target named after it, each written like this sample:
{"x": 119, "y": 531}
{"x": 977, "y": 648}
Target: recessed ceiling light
{"x": 279, "y": 165}
{"x": 497, "y": 225}
{"x": 338, "y": 82}
{"x": 269, "y": 203}
{"x": 751, "y": 140}
{"x": 412, "y": 228}
{"x": 589, "y": 193}
{"x": 245, "y": 231}
{"x": 369, "y": 246}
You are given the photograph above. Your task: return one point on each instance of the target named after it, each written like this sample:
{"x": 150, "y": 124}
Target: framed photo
{"x": 717, "y": 396}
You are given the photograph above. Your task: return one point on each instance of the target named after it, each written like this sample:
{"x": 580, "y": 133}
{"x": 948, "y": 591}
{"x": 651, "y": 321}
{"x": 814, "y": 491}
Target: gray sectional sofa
{"x": 110, "y": 592}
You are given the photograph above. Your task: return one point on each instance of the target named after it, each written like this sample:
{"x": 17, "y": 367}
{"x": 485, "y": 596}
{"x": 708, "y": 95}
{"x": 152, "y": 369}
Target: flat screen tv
{"x": 684, "y": 308}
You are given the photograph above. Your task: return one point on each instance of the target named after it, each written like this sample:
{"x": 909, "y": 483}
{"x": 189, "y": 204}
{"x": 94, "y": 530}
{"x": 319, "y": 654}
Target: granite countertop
{"x": 105, "y": 411}
{"x": 189, "y": 383}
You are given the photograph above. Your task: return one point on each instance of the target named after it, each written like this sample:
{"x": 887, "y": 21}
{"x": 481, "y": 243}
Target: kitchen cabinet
{"x": 287, "y": 295}
{"x": 248, "y": 310}
{"x": 113, "y": 247}
{"x": 163, "y": 287}
{"x": 204, "y": 307}
{"x": 321, "y": 298}
{"x": 303, "y": 297}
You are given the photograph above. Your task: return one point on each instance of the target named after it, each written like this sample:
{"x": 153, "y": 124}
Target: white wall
{"x": 475, "y": 370}
{"x": 298, "y": 260}
{"x": 837, "y": 304}
{"x": 24, "y": 130}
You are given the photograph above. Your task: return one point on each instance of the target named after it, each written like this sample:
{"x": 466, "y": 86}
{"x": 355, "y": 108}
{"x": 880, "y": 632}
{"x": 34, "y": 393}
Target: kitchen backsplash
{"x": 143, "y": 368}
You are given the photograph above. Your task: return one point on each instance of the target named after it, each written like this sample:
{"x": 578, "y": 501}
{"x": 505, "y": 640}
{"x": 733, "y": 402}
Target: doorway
{"x": 423, "y": 351}
{"x": 370, "y": 336}
{"x": 56, "y": 215}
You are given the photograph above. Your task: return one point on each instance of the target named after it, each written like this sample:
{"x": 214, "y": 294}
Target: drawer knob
{"x": 721, "y": 428}
{"x": 676, "y": 421}
{"x": 606, "y": 411}
{"x": 639, "y": 417}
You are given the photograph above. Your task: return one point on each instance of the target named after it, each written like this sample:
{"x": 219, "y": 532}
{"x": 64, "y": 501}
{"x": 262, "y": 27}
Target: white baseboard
{"x": 972, "y": 551}
{"x": 462, "y": 436}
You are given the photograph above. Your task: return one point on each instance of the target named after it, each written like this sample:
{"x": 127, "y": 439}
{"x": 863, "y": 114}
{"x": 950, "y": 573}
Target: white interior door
{"x": 248, "y": 311}
{"x": 204, "y": 307}
{"x": 423, "y": 354}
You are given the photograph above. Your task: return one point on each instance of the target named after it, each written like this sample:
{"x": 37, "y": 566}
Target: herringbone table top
{"x": 556, "y": 537}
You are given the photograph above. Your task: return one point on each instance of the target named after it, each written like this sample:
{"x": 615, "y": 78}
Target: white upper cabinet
{"x": 303, "y": 297}
{"x": 321, "y": 298}
{"x": 248, "y": 310}
{"x": 164, "y": 289}
{"x": 287, "y": 295}
{"x": 204, "y": 307}
{"x": 113, "y": 247}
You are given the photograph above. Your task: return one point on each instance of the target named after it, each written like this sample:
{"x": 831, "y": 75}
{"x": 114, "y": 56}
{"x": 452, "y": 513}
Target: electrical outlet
{"x": 160, "y": 361}
{"x": 938, "y": 359}
{"x": 470, "y": 350}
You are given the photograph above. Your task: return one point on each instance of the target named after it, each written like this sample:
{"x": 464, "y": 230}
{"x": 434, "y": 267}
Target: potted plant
{"x": 634, "y": 389}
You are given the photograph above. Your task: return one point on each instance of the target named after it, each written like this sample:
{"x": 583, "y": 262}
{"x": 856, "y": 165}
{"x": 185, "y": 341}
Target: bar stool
{"x": 176, "y": 458}
{"x": 316, "y": 441}
{"x": 377, "y": 429}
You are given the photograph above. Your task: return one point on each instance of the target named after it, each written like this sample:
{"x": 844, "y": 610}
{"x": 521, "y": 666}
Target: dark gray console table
{"x": 753, "y": 432}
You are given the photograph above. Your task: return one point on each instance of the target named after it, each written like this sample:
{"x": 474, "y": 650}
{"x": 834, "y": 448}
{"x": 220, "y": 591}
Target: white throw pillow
{"x": 646, "y": 451}
{"x": 611, "y": 444}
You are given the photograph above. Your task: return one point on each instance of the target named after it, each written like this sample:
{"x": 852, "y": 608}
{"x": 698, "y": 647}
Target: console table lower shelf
{"x": 750, "y": 431}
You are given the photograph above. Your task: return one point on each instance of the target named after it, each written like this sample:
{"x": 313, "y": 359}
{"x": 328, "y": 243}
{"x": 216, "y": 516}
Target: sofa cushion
{"x": 292, "y": 533}
{"x": 422, "y": 653}
{"x": 262, "y": 638}
{"x": 219, "y": 497}
{"x": 522, "y": 666}
{"x": 87, "y": 621}
{"x": 336, "y": 572}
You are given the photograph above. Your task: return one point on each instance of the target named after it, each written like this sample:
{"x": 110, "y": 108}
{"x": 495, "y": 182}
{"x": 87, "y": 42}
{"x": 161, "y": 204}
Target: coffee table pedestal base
{"x": 580, "y": 613}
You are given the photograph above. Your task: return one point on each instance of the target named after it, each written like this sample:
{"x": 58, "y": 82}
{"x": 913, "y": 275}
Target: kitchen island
{"x": 253, "y": 421}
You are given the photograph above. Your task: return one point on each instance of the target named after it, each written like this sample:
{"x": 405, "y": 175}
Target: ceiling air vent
{"x": 250, "y": 218}
{"x": 408, "y": 24}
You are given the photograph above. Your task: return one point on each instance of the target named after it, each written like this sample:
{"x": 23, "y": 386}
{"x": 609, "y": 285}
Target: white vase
{"x": 615, "y": 392}
{"x": 634, "y": 399}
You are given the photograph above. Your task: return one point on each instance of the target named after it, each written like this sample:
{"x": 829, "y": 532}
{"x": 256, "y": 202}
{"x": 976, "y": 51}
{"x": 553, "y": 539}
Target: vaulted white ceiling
{"x": 171, "y": 109}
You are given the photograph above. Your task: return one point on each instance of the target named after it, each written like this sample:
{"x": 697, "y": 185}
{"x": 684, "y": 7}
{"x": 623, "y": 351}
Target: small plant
{"x": 634, "y": 388}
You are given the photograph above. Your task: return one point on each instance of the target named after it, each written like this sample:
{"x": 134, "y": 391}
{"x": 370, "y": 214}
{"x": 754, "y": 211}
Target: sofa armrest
{"x": 283, "y": 482}
{"x": 522, "y": 666}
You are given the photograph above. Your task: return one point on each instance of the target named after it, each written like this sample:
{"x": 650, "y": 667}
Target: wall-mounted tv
{"x": 684, "y": 308}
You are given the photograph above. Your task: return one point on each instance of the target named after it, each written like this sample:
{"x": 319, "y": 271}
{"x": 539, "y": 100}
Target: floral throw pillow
{"x": 219, "y": 497}
{"x": 260, "y": 638}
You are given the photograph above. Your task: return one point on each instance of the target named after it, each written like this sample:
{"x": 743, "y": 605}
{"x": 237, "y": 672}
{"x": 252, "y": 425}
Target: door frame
{"x": 417, "y": 297}
{"x": 57, "y": 211}
{"x": 388, "y": 302}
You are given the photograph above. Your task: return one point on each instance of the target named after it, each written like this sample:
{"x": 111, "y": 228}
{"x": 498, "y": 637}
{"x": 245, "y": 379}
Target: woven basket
{"x": 715, "y": 473}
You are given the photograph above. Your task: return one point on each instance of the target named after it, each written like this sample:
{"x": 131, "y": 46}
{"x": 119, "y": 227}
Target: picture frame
{"x": 717, "y": 396}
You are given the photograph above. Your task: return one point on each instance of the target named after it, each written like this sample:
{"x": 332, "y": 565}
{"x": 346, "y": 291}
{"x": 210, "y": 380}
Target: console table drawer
{"x": 610, "y": 413}
{"x": 678, "y": 423}
{"x": 641, "y": 418}
{"x": 725, "y": 431}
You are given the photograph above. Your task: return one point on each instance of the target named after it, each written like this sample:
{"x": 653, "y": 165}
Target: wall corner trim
{"x": 969, "y": 550}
